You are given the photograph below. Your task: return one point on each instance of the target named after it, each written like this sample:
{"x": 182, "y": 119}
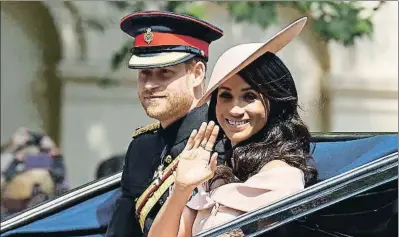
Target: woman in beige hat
{"x": 253, "y": 102}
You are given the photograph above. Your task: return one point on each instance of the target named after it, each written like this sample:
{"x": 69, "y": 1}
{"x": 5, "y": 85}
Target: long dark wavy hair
{"x": 284, "y": 137}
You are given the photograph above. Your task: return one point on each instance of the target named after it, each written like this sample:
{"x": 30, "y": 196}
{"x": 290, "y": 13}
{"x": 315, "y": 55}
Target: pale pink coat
{"x": 228, "y": 201}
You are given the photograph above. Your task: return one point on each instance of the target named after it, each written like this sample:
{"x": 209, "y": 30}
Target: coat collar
{"x": 182, "y": 128}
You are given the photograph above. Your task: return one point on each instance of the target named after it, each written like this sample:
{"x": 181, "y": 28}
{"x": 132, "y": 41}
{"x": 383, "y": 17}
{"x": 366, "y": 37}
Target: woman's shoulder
{"x": 275, "y": 164}
{"x": 280, "y": 170}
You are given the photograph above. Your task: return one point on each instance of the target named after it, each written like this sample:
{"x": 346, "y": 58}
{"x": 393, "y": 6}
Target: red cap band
{"x": 160, "y": 39}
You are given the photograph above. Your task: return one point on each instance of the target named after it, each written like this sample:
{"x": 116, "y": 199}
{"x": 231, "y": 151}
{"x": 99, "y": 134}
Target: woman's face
{"x": 240, "y": 110}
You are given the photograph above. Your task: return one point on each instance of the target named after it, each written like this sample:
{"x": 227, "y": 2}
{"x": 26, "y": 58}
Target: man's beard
{"x": 173, "y": 105}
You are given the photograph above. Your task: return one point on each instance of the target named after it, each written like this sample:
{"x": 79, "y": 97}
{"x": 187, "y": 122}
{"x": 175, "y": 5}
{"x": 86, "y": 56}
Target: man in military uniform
{"x": 170, "y": 54}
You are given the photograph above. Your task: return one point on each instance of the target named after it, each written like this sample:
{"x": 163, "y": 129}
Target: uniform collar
{"x": 182, "y": 128}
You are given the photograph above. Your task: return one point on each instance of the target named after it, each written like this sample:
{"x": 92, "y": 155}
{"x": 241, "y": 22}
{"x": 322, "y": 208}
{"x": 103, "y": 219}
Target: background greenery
{"x": 332, "y": 20}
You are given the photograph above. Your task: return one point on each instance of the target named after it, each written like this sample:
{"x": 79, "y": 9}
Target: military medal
{"x": 158, "y": 174}
{"x": 160, "y": 171}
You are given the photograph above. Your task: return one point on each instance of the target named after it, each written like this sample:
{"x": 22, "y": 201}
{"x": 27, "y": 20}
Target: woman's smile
{"x": 237, "y": 123}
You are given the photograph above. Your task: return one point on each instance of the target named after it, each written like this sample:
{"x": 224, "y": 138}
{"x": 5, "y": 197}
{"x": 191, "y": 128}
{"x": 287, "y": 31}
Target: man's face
{"x": 165, "y": 93}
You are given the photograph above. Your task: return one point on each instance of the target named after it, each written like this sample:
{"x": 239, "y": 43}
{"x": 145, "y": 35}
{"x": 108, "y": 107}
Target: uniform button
{"x": 168, "y": 159}
{"x": 161, "y": 202}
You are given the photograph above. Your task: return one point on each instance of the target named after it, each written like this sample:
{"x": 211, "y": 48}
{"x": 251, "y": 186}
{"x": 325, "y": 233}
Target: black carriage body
{"x": 370, "y": 213}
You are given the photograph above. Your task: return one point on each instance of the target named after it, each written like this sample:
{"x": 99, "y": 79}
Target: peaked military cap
{"x": 164, "y": 38}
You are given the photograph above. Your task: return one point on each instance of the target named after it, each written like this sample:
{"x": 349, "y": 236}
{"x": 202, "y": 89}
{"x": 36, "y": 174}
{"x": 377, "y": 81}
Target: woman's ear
{"x": 199, "y": 73}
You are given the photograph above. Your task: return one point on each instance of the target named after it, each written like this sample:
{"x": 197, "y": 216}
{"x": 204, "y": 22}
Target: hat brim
{"x": 158, "y": 60}
{"x": 238, "y": 57}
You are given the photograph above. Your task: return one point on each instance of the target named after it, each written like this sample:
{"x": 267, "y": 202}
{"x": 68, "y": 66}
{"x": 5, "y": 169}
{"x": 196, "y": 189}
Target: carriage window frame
{"x": 68, "y": 199}
{"x": 313, "y": 198}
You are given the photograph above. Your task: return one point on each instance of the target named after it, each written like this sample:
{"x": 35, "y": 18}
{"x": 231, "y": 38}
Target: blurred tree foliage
{"x": 343, "y": 22}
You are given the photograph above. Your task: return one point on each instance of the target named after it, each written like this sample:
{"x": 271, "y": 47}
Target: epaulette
{"x": 148, "y": 128}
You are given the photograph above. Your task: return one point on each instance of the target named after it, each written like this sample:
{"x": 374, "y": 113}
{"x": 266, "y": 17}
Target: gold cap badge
{"x": 148, "y": 36}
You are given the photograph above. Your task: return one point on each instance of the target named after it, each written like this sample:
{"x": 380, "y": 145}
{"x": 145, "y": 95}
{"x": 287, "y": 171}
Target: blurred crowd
{"x": 32, "y": 171}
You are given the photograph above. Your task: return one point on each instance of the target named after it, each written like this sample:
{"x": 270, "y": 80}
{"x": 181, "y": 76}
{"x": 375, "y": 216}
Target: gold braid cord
{"x": 145, "y": 129}
{"x": 154, "y": 192}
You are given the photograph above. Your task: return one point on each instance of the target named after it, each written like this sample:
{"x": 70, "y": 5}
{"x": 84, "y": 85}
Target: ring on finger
{"x": 210, "y": 150}
{"x": 205, "y": 148}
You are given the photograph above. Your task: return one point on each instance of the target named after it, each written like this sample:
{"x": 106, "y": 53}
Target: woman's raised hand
{"x": 196, "y": 165}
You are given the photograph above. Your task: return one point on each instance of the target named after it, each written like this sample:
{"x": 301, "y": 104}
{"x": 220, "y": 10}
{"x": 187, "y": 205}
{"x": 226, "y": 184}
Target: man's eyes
{"x": 162, "y": 72}
{"x": 166, "y": 71}
{"x": 145, "y": 72}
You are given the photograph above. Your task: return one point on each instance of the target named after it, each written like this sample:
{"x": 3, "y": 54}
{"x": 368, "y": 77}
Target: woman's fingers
{"x": 200, "y": 135}
{"x": 208, "y": 132}
{"x": 211, "y": 167}
{"x": 213, "y": 162}
{"x": 190, "y": 142}
{"x": 205, "y": 137}
{"x": 212, "y": 139}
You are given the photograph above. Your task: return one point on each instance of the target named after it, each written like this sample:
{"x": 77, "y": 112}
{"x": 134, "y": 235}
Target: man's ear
{"x": 199, "y": 73}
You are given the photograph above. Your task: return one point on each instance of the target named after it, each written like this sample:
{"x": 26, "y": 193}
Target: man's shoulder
{"x": 145, "y": 130}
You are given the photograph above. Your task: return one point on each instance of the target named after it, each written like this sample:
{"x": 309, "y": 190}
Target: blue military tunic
{"x": 143, "y": 158}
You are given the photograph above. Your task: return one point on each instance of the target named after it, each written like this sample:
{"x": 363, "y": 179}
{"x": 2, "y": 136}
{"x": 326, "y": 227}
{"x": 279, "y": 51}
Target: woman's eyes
{"x": 249, "y": 96}
{"x": 225, "y": 95}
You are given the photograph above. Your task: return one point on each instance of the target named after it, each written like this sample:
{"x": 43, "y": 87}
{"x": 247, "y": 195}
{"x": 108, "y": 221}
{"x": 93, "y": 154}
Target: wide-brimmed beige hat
{"x": 238, "y": 57}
